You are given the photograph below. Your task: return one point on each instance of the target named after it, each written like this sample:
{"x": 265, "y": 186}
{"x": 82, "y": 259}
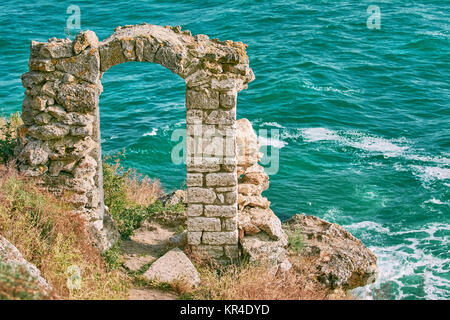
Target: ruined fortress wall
{"x": 60, "y": 138}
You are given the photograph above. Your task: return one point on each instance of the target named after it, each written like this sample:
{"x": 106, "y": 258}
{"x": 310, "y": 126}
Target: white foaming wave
{"x": 358, "y": 140}
{"x": 437, "y": 34}
{"x": 263, "y": 141}
{"x": 394, "y": 265}
{"x": 430, "y": 174}
{"x": 435, "y": 201}
{"x": 379, "y": 145}
{"x": 151, "y": 133}
{"x": 433, "y": 167}
{"x": 319, "y": 134}
{"x": 272, "y": 124}
{"x": 332, "y": 214}
{"x": 437, "y": 160}
{"x": 397, "y": 262}
{"x": 309, "y": 85}
{"x": 367, "y": 225}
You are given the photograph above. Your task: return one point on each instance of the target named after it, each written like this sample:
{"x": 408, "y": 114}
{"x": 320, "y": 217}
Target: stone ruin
{"x": 60, "y": 138}
{"x": 260, "y": 231}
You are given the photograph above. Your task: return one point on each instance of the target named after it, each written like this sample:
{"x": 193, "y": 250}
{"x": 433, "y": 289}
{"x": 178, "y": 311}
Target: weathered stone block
{"x": 194, "y": 179}
{"x": 81, "y": 131}
{"x": 204, "y": 224}
{"x": 86, "y": 168}
{"x": 220, "y": 211}
{"x": 48, "y": 132}
{"x": 128, "y": 49}
{"x": 57, "y": 49}
{"x": 220, "y": 238}
{"x": 221, "y": 179}
{"x": 85, "y": 66}
{"x": 231, "y": 197}
{"x": 194, "y": 210}
{"x": 35, "y": 153}
{"x": 202, "y": 99}
{"x": 47, "y": 89}
{"x": 221, "y": 117}
{"x": 30, "y": 79}
{"x": 42, "y": 118}
{"x": 44, "y": 65}
{"x": 212, "y": 251}
{"x": 200, "y": 195}
{"x": 169, "y": 58}
{"x": 228, "y": 100}
{"x": 111, "y": 53}
{"x": 194, "y": 116}
{"x": 78, "y": 97}
{"x": 225, "y": 189}
{"x": 62, "y": 165}
{"x": 38, "y": 103}
{"x": 232, "y": 252}
{"x": 194, "y": 238}
{"x": 202, "y": 164}
{"x": 229, "y": 224}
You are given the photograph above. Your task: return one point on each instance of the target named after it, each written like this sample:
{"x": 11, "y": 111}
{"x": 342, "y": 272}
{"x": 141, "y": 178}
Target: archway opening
{"x": 141, "y": 106}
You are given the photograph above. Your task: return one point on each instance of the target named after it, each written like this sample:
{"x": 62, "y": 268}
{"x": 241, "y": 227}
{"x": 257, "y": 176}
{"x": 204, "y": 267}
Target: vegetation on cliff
{"x": 48, "y": 234}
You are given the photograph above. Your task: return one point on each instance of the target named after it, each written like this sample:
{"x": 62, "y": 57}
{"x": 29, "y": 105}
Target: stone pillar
{"x": 60, "y": 139}
{"x": 211, "y": 172}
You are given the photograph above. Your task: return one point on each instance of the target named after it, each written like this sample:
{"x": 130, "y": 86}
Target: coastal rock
{"x": 173, "y": 266}
{"x": 254, "y": 220}
{"x": 262, "y": 237}
{"x": 247, "y": 145}
{"x": 261, "y": 247}
{"x": 83, "y": 40}
{"x": 340, "y": 259}
{"x": 10, "y": 255}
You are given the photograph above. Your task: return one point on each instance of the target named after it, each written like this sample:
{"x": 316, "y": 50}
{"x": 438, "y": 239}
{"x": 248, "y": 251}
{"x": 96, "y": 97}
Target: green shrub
{"x": 295, "y": 241}
{"x": 113, "y": 256}
{"x": 127, "y": 210}
{"x": 8, "y": 140}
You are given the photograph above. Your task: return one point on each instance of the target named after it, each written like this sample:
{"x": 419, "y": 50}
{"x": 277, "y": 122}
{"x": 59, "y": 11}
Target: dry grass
{"x": 48, "y": 234}
{"x": 138, "y": 189}
{"x": 253, "y": 282}
{"x": 141, "y": 189}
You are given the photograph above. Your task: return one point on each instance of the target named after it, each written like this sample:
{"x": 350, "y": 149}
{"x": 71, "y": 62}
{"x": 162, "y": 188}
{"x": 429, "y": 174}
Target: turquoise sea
{"x": 363, "y": 114}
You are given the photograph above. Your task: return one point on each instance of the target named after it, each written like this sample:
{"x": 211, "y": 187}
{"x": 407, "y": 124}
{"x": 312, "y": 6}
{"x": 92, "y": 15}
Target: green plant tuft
{"x": 295, "y": 241}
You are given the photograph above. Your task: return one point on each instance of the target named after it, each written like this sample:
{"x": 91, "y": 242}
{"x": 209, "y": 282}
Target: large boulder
{"x": 340, "y": 259}
{"x": 173, "y": 266}
{"x": 260, "y": 248}
{"x": 254, "y": 220}
{"x": 11, "y": 256}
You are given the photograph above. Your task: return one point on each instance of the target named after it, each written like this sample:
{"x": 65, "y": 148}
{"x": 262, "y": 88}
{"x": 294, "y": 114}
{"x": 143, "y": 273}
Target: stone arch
{"x": 60, "y": 138}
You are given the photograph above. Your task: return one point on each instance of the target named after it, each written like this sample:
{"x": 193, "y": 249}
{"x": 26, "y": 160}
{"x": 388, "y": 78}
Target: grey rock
{"x": 173, "y": 266}
{"x": 341, "y": 260}
{"x": 10, "y": 255}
